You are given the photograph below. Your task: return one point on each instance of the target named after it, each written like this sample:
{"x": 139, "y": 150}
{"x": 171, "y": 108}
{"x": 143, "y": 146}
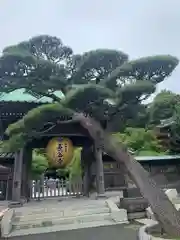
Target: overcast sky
{"x": 137, "y": 27}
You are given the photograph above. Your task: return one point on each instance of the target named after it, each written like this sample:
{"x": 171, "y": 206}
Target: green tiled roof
{"x": 21, "y": 96}
{"x": 154, "y": 158}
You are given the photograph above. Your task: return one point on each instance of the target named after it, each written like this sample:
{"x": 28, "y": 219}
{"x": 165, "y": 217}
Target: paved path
{"x": 81, "y": 218}
{"x": 3, "y": 208}
{"x": 114, "y": 232}
{"x": 3, "y": 205}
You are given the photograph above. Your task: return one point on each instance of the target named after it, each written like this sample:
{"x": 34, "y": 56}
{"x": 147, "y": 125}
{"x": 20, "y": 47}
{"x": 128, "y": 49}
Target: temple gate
{"x": 21, "y": 161}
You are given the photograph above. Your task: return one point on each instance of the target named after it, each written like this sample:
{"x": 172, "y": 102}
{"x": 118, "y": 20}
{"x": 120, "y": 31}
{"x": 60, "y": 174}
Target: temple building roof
{"x": 154, "y": 158}
{"x": 20, "y": 95}
{"x": 6, "y": 155}
{"x": 166, "y": 122}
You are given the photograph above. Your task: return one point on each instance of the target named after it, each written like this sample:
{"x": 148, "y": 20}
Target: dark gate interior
{"x": 5, "y": 183}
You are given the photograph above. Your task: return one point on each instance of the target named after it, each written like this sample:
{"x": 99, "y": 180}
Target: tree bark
{"x": 86, "y": 161}
{"x": 85, "y": 172}
{"x": 99, "y": 171}
{"x": 164, "y": 210}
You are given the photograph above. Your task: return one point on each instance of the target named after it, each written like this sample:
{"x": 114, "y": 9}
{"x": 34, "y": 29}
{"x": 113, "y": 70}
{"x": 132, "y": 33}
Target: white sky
{"x": 137, "y": 27}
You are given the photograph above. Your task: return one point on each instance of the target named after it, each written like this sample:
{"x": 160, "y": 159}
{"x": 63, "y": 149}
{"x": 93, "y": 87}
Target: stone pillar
{"x": 99, "y": 172}
{"x": 17, "y": 177}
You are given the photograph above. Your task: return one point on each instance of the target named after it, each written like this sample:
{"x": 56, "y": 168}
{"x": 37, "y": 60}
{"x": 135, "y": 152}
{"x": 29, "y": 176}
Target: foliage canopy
{"x": 102, "y": 83}
{"x": 141, "y": 141}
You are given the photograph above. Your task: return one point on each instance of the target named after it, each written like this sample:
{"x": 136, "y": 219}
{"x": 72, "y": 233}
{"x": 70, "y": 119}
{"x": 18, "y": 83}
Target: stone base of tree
{"x": 152, "y": 231}
{"x": 173, "y": 197}
{"x": 118, "y": 215}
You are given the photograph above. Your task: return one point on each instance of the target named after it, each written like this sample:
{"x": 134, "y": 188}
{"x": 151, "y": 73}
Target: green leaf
{"x": 97, "y": 64}
{"x": 15, "y": 142}
{"x": 81, "y": 98}
{"x": 163, "y": 106}
{"x": 154, "y": 69}
{"x": 39, "y": 164}
{"x": 136, "y": 90}
{"x": 35, "y": 118}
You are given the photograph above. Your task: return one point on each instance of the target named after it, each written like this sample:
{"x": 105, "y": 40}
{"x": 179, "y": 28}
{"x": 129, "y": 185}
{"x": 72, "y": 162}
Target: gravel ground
{"x": 113, "y": 232}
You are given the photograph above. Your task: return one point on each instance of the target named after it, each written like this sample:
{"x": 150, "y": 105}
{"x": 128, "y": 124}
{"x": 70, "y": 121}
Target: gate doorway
{"x": 5, "y": 181}
{"x": 3, "y": 189}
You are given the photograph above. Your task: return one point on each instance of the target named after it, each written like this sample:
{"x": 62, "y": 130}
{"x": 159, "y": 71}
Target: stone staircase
{"x": 51, "y": 217}
{"x": 61, "y": 216}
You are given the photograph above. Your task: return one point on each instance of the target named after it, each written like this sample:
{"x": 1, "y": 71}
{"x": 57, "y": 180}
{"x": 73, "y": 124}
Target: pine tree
{"x": 101, "y": 84}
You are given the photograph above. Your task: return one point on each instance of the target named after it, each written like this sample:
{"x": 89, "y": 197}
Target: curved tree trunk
{"x": 164, "y": 210}
{"x": 87, "y": 157}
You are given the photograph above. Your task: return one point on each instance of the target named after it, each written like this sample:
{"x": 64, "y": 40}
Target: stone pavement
{"x": 113, "y": 232}
{"x": 53, "y": 215}
{"x": 3, "y": 205}
{"x": 3, "y": 208}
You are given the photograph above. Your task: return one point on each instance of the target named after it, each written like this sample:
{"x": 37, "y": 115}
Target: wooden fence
{"x": 55, "y": 188}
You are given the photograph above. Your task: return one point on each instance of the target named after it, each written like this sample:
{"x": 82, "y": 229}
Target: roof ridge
{"x": 20, "y": 95}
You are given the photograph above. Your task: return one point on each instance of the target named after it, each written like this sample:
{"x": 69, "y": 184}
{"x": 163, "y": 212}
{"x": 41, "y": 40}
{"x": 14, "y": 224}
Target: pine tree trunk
{"x": 164, "y": 210}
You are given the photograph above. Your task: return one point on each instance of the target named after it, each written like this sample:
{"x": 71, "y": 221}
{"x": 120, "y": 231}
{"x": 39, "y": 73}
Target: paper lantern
{"x": 60, "y": 151}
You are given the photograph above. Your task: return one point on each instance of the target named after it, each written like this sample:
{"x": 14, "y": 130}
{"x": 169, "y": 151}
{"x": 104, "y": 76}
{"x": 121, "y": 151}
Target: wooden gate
{"x": 55, "y": 188}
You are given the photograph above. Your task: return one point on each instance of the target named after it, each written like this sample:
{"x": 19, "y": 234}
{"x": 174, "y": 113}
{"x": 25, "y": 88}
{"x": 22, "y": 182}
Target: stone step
{"x": 37, "y": 223}
{"x": 60, "y": 214}
{"x": 57, "y": 228}
{"x": 45, "y": 210}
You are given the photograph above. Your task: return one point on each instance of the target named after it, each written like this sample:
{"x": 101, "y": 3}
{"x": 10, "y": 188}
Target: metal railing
{"x": 55, "y": 188}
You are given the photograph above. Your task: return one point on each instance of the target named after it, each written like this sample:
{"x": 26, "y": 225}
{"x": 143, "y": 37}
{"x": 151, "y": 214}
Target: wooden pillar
{"x": 26, "y": 173}
{"x": 99, "y": 171}
{"x": 126, "y": 181}
{"x": 17, "y": 177}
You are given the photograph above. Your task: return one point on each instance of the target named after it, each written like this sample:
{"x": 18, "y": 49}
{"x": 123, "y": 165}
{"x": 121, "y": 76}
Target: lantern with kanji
{"x": 60, "y": 152}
